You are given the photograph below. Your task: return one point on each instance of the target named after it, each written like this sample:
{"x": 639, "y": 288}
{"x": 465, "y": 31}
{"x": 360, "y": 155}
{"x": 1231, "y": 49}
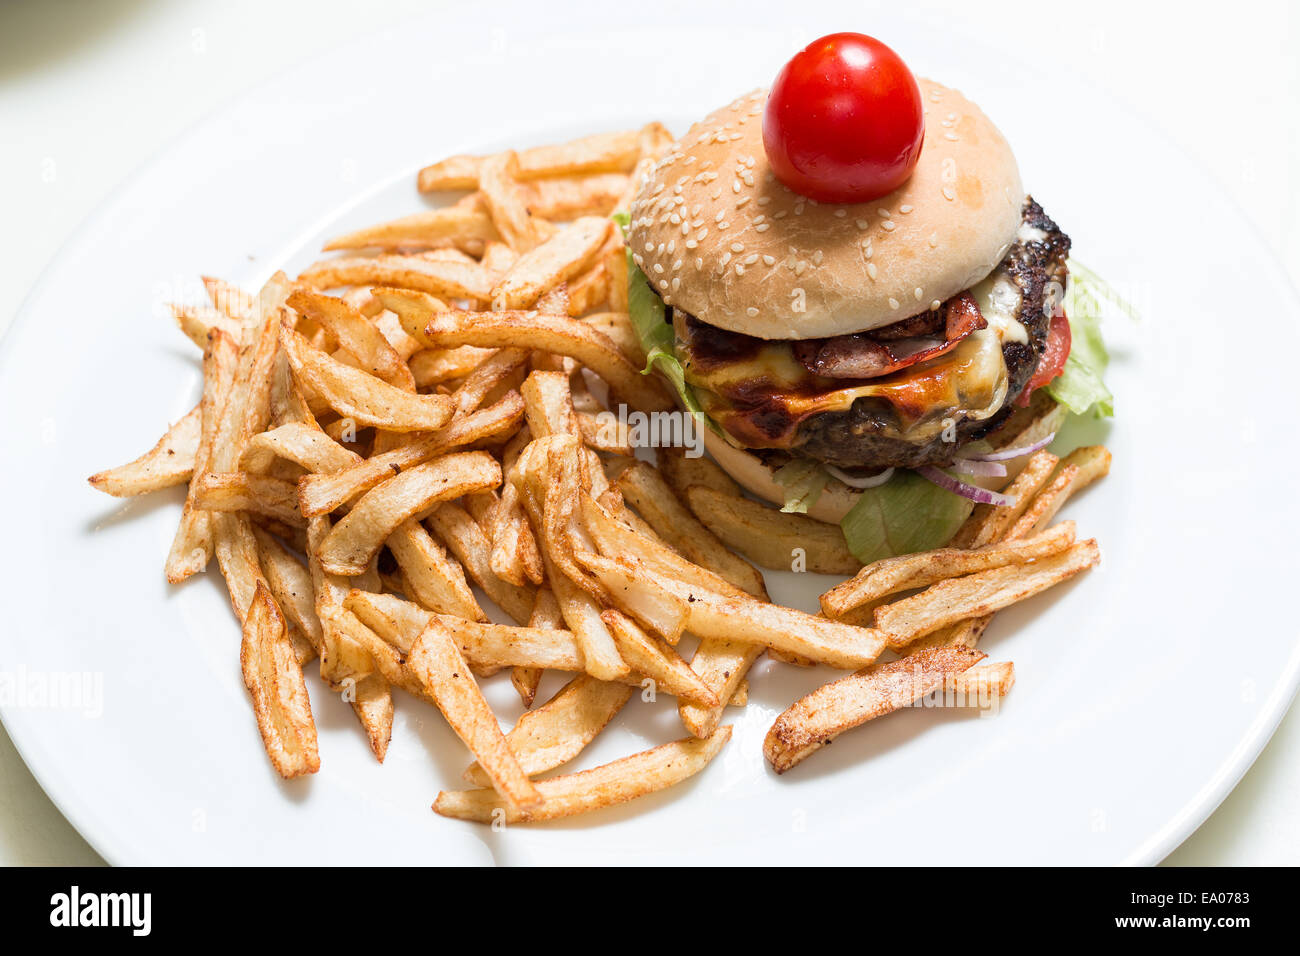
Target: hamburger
{"x": 845, "y": 346}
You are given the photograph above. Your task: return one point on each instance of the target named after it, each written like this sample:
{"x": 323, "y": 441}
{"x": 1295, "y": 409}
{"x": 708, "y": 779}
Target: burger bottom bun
{"x": 756, "y": 478}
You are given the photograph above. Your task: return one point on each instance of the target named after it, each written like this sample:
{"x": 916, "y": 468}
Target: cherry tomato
{"x": 844, "y": 120}
{"x": 1055, "y": 353}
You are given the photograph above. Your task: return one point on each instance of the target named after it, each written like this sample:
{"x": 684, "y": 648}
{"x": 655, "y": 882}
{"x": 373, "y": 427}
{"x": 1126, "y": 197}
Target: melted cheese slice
{"x": 970, "y": 383}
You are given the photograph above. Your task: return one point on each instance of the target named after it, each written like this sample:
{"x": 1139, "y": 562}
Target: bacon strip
{"x": 860, "y": 356}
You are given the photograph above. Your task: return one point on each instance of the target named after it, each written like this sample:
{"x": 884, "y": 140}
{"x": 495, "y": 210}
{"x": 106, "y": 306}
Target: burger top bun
{"x": 720, "y": 237}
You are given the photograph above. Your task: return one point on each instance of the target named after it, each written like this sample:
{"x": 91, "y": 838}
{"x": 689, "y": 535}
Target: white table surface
{"x": 90, "y": 90}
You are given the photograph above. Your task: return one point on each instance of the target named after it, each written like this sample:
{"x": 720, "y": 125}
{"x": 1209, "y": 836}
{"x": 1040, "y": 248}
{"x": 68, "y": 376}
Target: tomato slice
{"x": 1054, "y": 355}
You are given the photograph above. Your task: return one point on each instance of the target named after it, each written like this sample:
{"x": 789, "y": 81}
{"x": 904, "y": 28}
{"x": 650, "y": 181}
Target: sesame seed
{"x": 676, "y": 283}
{"x": 769, "y": 260}
{"x": 740, "y": 268}
{"x": 841, "y": 213}
{"x": 677, "y": 265}
{"x": 735, "y": 185}
{"x": 638, "y": 259}
{"x": 917, "y": 293}
{"x": 888, "y": 225}
{"x": 883, "y": 213}
{"x": 737, "y": 247}
{"x": 764, "y": 200}
{"x": 780, "y": 215}
{"x": 934, "y": 240}
{"x": 672, "y": 246}
{"x": 751, "y": 258}
{"x": 659, "y": 270}
{"x": 934, "y": 305}
{"x": 762, "y": 227}
{"x": 905, "y": 209}
{"x": 724, "y": 224}
{"x": 718, "y": 217}
{"x": 893, "y": 303}
{"x": 699, "y": 264}
{"x": 742, "y": 200}
{"x": 691, "y": 243}
{"x": 948, "y": 193}
{"x": 751, "y": 312}
{"x": 950, "y": 136}
{"x": 663, "y": 283}
{"x": 862, "y": 224}
{"x": 649, "y": 247}
{"x": 726, "y": 258}
{"x": 871, "y": 270}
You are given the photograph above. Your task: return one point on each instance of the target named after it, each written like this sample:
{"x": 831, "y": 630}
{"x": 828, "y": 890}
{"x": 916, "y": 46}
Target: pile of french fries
{"x": 369, "y": 467}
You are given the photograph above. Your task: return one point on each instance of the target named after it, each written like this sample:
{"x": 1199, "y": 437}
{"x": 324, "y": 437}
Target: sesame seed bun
{"x": 719, "y": 237}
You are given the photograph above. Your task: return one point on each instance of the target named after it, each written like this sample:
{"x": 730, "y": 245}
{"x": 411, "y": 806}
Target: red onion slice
{"x": 979, "y": 468}
{"x": 978, "y": 495}
{"x": 1009, "y": 453}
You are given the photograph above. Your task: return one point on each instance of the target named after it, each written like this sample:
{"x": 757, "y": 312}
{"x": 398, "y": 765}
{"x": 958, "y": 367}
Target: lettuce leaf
{"x": 904, "y": 515}
{"x": 803, "y": 480}
{"x": 656, "y": 337}
{"x": 1080, "y": 387}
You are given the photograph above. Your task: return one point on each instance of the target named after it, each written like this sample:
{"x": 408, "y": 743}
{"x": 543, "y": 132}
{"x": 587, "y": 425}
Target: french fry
{"x": 229, "y": 299}
{"x": 990, "y": 523}
{"x": 273, "y": 677}
{"x": 813, "y": 721}
{"x": 435, "y": 366}
{"x": 170, "y": 462}
{"x": 372, "y": 702}
{"x": 732, "y": 618}
{"x": 501, "y": 195}
{"x": 772, "y": 538}
{"x": 905, "y": 572}
{"x": 978, "y": 594}
{"x": 238, "y": 491}
{"x": 534, "y": 330}
{"x": 654, "y": 659}
{"x": 303, "y": 444}
{"x": 588, "y": 290}
{"x": 360, "y": 396}
{"x": 344, "y": 651}
{"x": 466, "y": 540}
{"x": 556, "y": 732}
{"x": 440, "y": 277}
{"x": 546, "y": 615}
{"x": 503, "y": 369}
{"x": 458, "y": 222}
{"x": 291, "y": 585}
{"x": 192, "y": 544}
{"x": 681, "y": 471}
{"x": 357, "y": 335}
{"x": 360, "y": 534}
{"x": 605, "y": 786}
{"x": 604, "y": 152}
{"x": 197, "y": 321}
{"x": 331, "y": 488}
{"x": 617, "y": 327}
{"x": 432, "y": 578}
{"x": 645, "y": 489}
{"x": 436, "y": 662}
{"x": 1078, "y": 469}
{"x": 544, "y": 267}
{"x": 569, "y": 197}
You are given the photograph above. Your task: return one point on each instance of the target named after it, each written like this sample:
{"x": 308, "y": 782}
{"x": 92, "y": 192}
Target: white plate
{"x": 1145, "y": 688}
